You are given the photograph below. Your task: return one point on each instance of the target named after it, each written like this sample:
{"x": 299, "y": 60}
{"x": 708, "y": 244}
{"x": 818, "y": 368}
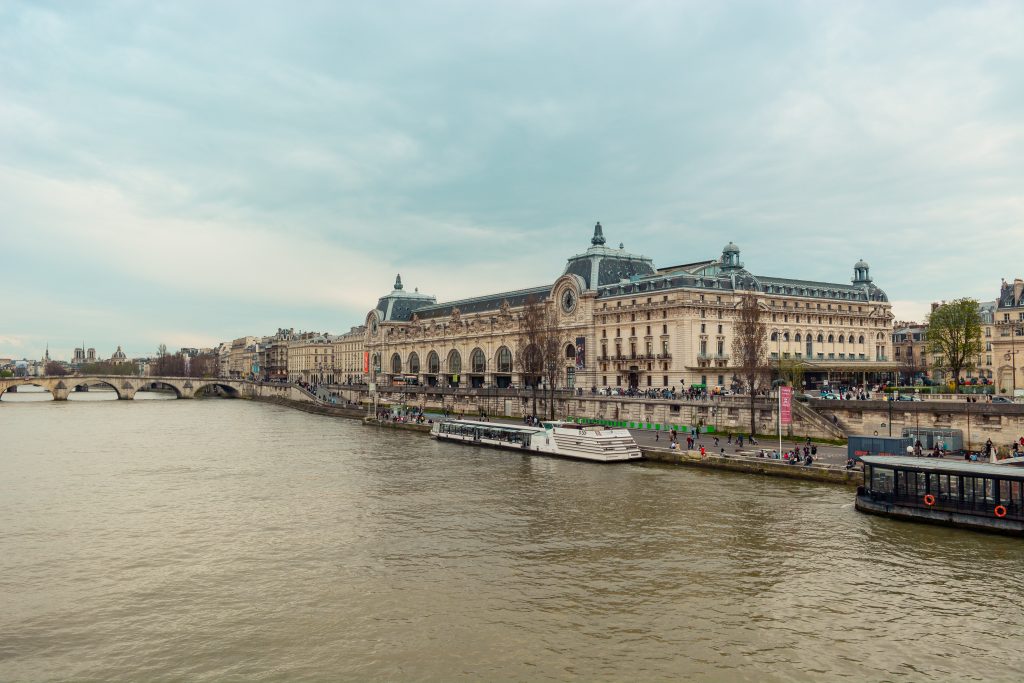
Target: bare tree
{"x": 55, "y": 369}
{"x": 537, "y": 349}
{"x": 750, "y": 349}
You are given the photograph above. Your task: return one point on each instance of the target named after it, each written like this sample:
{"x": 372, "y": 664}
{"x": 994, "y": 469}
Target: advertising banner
{"x": 581, "y": 353}
{"x": 366, "y": 361}
{"x": 786, "y": 405}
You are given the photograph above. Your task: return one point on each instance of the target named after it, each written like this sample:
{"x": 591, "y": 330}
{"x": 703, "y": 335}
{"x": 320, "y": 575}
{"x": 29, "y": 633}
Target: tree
{"x": 750, "y": 348}
{"x": 792, "y": 371}
{"x": 538, "y": 349}
{"x": 954, "y": 336}
{"x": 55, "y": 369}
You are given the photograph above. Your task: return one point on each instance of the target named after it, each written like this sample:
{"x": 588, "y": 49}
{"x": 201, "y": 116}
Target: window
{"x": 664, "y": 380}
{"x": 396, "y": 363}
{"x": 504, "y": 360}
{"x": 702, "y": 330}
{"x": 454, "y": 363}
{"x": 433, "y": 363}
{"x": 719, "y": 329}
{"x": 414, "y": 363}
{"x": 478, "y": 362}
{"x": 775, "y": 336}
{"x": 570, "y": 351}
{"x": 664, "y": 329}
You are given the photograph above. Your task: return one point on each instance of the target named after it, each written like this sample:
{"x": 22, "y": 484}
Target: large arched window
{"x": 798, "y": 337}
{"x": 504, "y": 359}
{"x": 396, "y": 363}
{"x": 433, "y": 363}
{"x": 860, "y": 339}
{"x": 842, "y": 339}
{"x": 570, "y": 351}
{"x": 376, "y": 361}
{"x": 831, "y": 339}
{"x": 775, "y": 336}
{"x": 785, "y": 336}
{"x": 454, "y": 363}
{"x": 414, "y": 363}
{"x": 821, "y": 338}
{"x": 478, "y": 362}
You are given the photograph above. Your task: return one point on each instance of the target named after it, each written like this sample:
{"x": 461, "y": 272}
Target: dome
{"x": 861, "y": 264}
{"x": 730, "y": 249}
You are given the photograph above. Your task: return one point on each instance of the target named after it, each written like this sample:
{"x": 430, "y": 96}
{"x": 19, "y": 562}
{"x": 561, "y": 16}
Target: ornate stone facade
{"x": 624, "y": 322}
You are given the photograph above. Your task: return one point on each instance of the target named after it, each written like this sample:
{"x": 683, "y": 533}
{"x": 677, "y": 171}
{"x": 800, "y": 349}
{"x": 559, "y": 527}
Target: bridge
{"x": 126, "y": 386}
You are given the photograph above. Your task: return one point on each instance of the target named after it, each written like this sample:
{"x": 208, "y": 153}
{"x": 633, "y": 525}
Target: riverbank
{"x": 753, "y": 465}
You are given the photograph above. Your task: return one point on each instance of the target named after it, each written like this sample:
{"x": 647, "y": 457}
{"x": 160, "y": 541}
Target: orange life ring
{"x": 1000, "y": 511}
{"x": 929, "y": 499}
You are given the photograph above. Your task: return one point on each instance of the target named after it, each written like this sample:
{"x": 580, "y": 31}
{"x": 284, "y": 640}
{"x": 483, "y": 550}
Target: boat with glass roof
{"x": 563, "y": 439}
{"x": 980, "y": 496}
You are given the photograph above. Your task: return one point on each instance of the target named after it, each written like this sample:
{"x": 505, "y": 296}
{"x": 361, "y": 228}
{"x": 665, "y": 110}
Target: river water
{"x": 224, "y": 540}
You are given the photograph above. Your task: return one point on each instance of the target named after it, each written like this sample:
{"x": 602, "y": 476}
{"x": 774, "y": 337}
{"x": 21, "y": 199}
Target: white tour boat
{"x": 564, "y": 439}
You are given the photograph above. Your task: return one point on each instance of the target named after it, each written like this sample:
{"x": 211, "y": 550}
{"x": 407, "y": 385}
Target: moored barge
{"x": 979, "y": 496}
{"x": 563, "y": 439}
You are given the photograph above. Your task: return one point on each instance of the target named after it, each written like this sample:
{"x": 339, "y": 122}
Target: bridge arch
{"x": 27, "y": 382}
{"x": 200, "y": 388}
{"x": 160, "y": 384}
{"x": 73, "y": 385}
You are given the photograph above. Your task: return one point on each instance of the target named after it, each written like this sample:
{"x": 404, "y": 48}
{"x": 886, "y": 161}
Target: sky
{"x": 190, "y": 172}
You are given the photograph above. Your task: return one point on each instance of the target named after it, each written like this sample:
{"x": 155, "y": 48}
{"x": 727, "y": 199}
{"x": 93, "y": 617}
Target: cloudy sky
{"x": 192, "y": 172}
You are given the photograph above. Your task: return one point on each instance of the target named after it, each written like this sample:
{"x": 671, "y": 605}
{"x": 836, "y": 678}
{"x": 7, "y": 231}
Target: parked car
{"x": 909, "y": 397}
{"x": 1002, "y": 399}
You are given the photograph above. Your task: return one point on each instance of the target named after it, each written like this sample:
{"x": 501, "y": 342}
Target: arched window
{"x": 570, "y": 351}
{"x": 396, "y": 363}
{"x": 842, "y": 339}
{"x": 477, "y": 361}
{"x": 821, "y": 338}
{"x": 860, "y": 339}
{"x": 454, "y": 363}
{"x": 831, "y": 338}
{"x": 376, "y": 361}
{"x": 798, "y": 337}
{"x": 504, "y": 359}
{"x": 785, "y": 336}
{"x": 414, "y": 363}
{"x": 775, "y": 336}
{"x": 433, "y": 363}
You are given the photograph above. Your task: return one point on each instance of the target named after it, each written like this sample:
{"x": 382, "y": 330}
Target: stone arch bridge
{"x": 127, "y": 386}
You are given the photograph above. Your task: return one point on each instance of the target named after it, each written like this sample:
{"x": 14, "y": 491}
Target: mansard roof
{"x": 482, "y": 304}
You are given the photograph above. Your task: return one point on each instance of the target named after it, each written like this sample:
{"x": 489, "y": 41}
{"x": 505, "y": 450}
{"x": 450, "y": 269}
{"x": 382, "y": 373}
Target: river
{"x": 220, "y": 540}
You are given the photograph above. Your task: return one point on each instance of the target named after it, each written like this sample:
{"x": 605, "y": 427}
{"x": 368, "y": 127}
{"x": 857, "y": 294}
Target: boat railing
{"x": 946, "y": 503}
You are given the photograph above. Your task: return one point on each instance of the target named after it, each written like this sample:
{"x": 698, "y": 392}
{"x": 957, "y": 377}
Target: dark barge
{"x": 978, "y": 496}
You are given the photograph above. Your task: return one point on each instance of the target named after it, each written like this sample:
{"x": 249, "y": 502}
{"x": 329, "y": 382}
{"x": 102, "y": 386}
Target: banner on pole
{"x": 366, "y": 361}
{"x": 786, "y": 405}
{"x": 581, "y": 353}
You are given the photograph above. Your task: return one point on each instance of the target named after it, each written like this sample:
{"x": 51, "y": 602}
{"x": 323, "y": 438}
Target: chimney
{"x": 1018, "y": 288}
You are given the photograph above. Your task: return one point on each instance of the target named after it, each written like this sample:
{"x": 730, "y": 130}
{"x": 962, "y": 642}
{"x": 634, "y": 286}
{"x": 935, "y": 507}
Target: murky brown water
{"x": 226, "y": 540}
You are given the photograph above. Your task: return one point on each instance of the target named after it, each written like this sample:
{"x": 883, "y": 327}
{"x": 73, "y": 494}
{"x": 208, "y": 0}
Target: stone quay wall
{"x": 1003, "y": 423}
{"x": 723, "y": 414}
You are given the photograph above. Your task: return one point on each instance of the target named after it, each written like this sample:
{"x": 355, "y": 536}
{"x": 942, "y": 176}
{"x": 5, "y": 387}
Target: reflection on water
{"x": 215, "y": 539}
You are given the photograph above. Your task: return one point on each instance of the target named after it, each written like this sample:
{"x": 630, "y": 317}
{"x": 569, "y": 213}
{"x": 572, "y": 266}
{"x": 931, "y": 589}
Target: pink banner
{"x": 786, "y": 405}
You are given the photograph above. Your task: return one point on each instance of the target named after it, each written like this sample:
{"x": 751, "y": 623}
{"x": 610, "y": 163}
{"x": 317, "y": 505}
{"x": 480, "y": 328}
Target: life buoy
{"x": 929, "y": 499}
{"x": 1000, "y": 511}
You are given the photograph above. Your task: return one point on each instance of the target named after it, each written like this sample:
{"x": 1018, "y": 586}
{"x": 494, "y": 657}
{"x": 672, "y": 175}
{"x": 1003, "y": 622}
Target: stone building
{"x": 1007, "y": 340}
{"x": 625, "y": 323}
{"x": 910, "y": 351}
{"x": 311, "y": 358}
{"x": 348, "y": 356}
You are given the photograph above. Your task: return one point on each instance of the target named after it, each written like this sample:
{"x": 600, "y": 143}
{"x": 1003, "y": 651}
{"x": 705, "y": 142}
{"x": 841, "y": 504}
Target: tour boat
{"x": 980, "y": 496}
{"x": 563, "y": 439}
